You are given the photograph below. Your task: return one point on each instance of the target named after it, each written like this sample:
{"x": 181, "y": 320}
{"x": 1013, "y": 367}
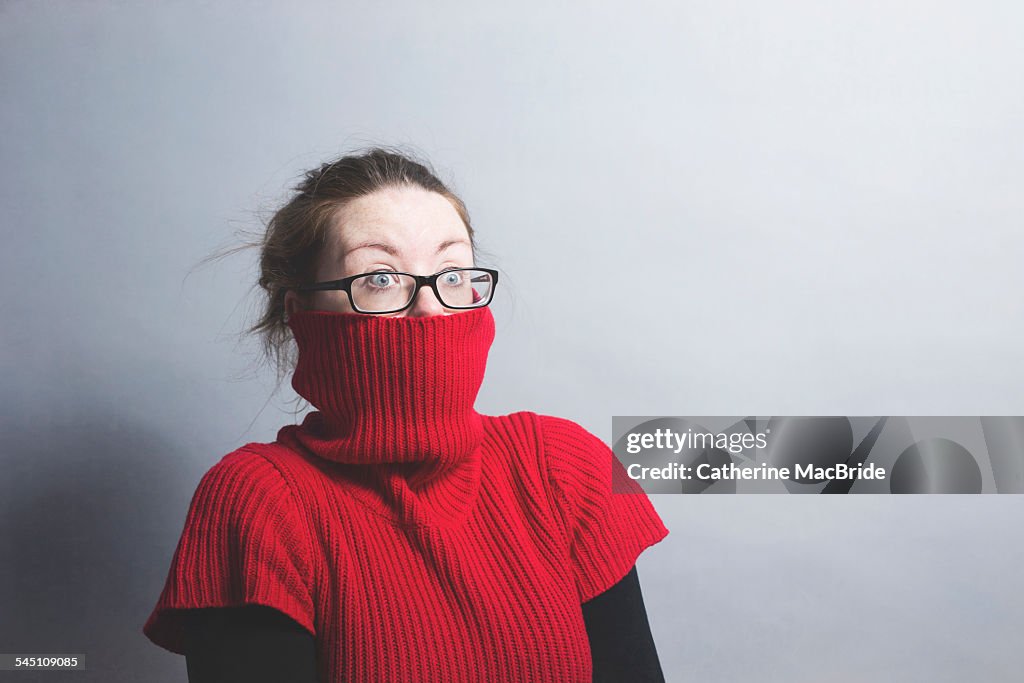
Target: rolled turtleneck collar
{"x": 396, "y": 395}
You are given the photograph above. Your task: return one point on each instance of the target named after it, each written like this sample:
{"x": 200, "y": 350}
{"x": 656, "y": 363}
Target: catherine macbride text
{"x": 663, "y": 440}
{"x": 764, "y": 471}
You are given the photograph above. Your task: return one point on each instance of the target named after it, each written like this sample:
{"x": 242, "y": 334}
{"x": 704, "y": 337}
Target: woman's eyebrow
{"x": 390, "y": 249}
{"x": 373, "y": 245}
{"x": 450, "y": 243}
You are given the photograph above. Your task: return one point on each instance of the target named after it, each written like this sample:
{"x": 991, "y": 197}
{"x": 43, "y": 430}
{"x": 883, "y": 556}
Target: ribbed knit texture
{"x": 417, "y": 539}
{"x": 397, "y": 393}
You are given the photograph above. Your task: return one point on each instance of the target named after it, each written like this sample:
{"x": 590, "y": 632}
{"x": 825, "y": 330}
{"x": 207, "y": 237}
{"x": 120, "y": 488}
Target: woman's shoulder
{"x": 251, "y": 459}
{"x": 564, "y": 446}
{"x": 245, "y": 472}
{"x": 254, "y": 471}
{"x": 533, "y": 420}
{"x": 244, "y": 540}
{"x": 551, "y": 427}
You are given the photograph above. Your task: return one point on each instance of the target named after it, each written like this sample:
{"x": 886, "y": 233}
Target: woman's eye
{"x": 452, "y": 279}
{"x": 380, "y": 280}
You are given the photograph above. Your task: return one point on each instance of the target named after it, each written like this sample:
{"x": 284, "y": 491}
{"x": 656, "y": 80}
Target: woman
{"x": 397, "y": 534}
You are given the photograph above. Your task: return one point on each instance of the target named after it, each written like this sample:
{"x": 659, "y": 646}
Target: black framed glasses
{"x": 386, "y": 291}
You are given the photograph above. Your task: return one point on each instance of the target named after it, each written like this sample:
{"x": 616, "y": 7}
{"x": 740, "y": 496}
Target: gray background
{"x": 762, "y": 208}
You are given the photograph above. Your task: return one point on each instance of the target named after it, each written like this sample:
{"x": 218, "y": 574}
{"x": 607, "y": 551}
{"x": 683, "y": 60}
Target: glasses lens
{"x": 465, "y": 288}
{"x": 382, "y": 292}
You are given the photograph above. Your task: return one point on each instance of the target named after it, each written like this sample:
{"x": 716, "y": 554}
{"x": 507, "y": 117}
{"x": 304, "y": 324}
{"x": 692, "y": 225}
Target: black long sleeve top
{"x": 258, "y": 644}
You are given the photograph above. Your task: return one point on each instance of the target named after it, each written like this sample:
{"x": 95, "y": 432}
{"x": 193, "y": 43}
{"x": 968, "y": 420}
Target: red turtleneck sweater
{"x": 415, "y": 538}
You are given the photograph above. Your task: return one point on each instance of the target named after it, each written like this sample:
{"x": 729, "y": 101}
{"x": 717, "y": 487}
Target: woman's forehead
{"x": 408, "y": 208}
{"x": 398, "y": 221}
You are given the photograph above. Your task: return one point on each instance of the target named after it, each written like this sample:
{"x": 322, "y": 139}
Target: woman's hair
{"x": 297, "y": 232}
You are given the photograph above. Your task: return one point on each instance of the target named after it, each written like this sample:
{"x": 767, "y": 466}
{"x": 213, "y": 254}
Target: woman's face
{"x": 406, "y": 229}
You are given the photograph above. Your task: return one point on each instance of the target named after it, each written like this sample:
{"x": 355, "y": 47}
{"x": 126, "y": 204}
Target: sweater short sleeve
{"x": 608, "y": 517}
{"x": 243, "y": 543}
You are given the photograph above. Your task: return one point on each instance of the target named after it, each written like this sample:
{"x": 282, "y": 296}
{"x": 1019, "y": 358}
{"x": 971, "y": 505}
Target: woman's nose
{"x": 425, "y": 304}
